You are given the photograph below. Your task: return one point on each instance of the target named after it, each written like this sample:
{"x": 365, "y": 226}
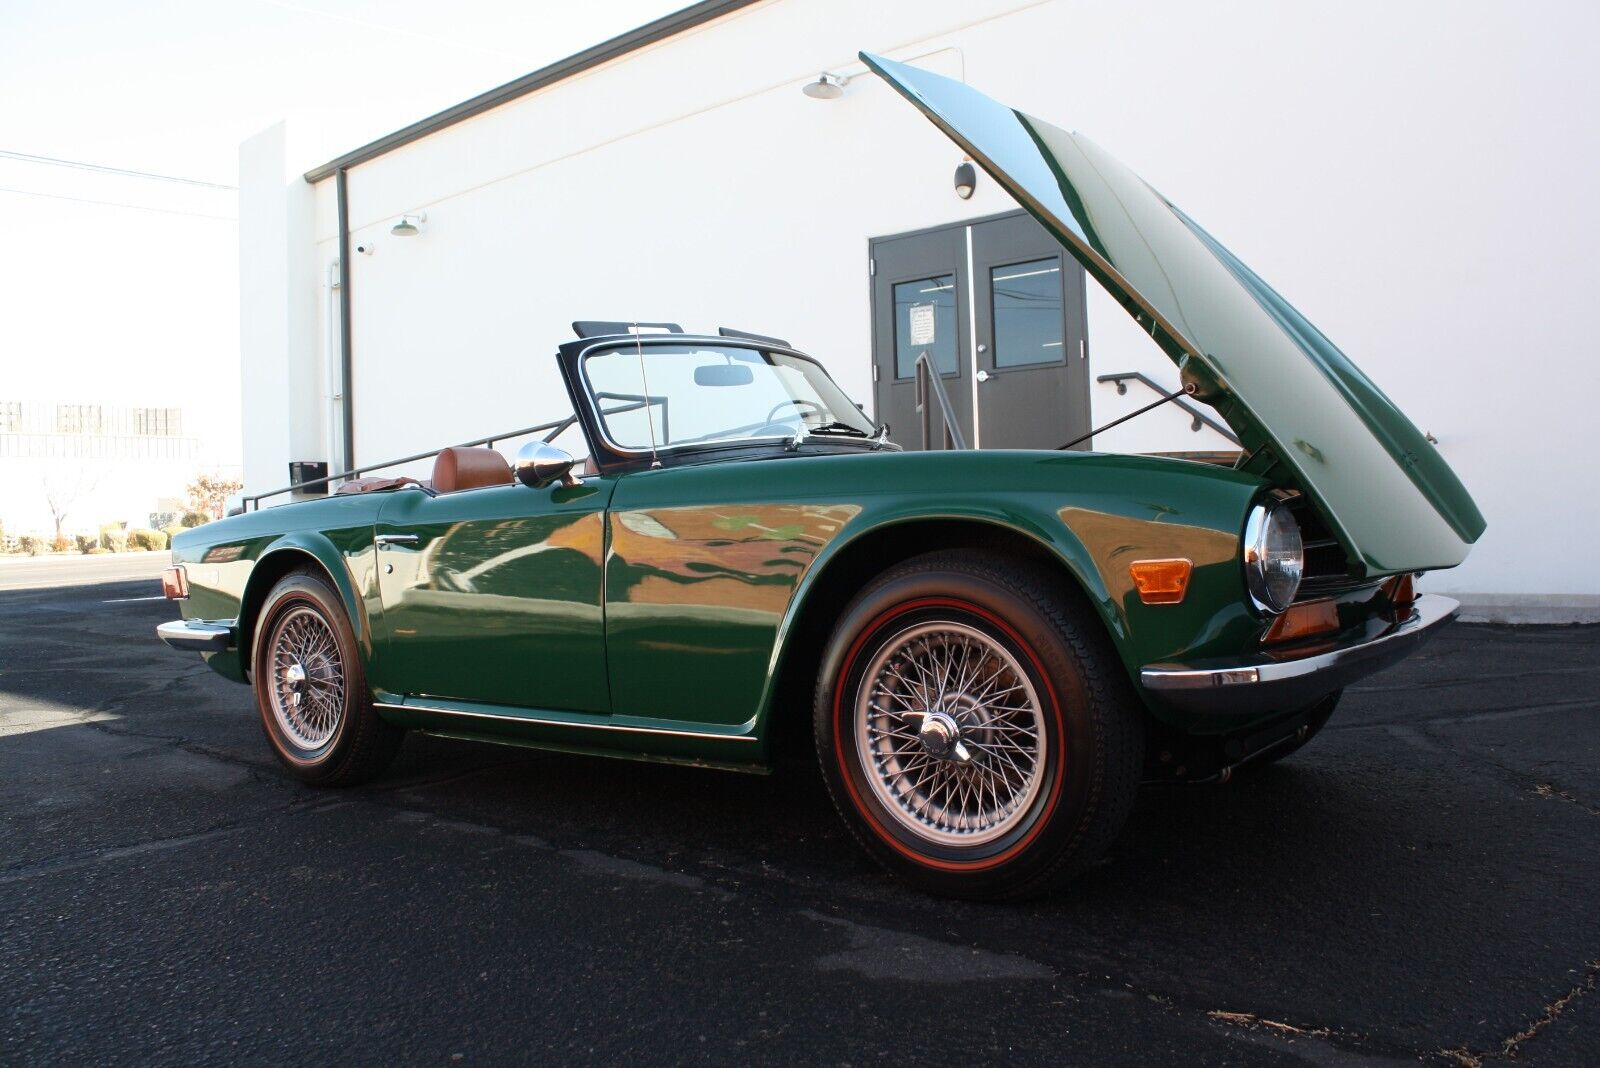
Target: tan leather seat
{"x": 464, "y": 469}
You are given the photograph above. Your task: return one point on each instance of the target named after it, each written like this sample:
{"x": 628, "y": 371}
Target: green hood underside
{"x": 1313, "y": 418}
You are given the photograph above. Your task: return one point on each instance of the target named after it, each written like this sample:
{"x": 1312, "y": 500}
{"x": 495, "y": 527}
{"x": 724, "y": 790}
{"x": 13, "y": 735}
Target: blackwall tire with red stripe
{"x": 975, "y": 728}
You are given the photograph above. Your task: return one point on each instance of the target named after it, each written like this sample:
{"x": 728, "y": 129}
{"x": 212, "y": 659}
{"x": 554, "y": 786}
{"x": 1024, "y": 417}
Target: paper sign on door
{"x": 921, "y": 325}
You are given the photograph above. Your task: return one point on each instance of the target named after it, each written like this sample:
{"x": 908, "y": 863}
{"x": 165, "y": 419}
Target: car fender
{"x": 1179, "y": 509}
{"x": 1061, "y": 543}
{"x": 333, "y": 560}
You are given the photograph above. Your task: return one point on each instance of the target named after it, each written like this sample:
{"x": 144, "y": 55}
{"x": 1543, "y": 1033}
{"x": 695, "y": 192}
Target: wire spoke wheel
{"x": 306, "y": 689}
{"x": 950, "y": 733}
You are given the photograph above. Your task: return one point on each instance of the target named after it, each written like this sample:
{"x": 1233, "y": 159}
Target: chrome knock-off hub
{"x": 294, "y": 677}
{"x": 940, "y": 735}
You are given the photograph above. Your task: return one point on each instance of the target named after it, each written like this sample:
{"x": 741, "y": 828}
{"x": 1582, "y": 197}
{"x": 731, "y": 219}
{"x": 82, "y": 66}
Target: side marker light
{"x": 1161, "y": 581}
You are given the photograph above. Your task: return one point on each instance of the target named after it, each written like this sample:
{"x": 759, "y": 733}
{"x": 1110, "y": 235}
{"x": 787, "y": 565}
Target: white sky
{"x": 136, "y": 303}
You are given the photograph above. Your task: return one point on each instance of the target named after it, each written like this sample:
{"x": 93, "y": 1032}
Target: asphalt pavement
{"x": 1421, "y": 883}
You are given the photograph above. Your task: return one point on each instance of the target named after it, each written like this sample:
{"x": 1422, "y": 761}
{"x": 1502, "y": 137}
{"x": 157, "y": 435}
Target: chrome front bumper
{"x": 1281, "y": 682}
{"x": 195, "y": 636}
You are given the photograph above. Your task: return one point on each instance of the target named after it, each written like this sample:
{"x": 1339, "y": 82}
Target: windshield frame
{"x": 610, "y": 456}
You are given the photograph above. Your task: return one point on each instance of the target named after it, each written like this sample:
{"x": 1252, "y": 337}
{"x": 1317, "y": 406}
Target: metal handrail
{"x": 1197, "y": 417}
{"x": 928, "y": 374}
{"x": 253, "y": 503}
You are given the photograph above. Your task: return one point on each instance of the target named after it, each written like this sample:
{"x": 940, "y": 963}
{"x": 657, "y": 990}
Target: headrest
{"x": 464, "y": 469}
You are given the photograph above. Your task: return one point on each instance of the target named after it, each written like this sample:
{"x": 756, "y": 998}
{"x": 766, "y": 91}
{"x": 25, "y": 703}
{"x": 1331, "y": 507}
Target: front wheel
{"x": 311, "y": 690}
{"x": 974, "y": 727}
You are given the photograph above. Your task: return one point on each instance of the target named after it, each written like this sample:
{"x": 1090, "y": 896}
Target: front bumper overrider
{"x": 1280, "y": 681}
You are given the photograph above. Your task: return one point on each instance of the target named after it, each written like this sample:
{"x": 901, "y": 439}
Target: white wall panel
{"x": 1414, "y": 177}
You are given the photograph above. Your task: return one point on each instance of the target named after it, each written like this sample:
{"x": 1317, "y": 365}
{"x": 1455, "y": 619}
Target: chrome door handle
{"x": 395, "y": 539}
{"x": 984, "y": 376}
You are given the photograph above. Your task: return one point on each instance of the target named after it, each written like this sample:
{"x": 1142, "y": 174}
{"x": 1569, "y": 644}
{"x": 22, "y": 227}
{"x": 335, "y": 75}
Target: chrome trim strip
{"x": 538, "y": 722}
{"x": 195, "y": 636}
{"x": 1266, "y": 682}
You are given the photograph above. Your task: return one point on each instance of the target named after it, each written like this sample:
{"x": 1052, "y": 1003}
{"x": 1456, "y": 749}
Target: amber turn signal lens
{"x": 1304, "y": 620}
{"x": 1161, "y": 581}
{"x": 175, "y": 583}
{"x": 1402, "y": 590}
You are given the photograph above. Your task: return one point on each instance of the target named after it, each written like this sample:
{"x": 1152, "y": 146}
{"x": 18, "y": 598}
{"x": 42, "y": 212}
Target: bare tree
{"x": 61, "y": 493}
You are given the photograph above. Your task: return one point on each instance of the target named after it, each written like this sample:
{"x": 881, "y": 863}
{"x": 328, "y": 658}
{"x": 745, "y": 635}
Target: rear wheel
{"x": 311, "y": 691}
{"x": 974, "y": 727}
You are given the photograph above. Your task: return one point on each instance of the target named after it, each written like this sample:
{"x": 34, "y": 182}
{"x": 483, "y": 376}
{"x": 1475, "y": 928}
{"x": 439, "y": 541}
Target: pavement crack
{"x": 1550, "y": 790}
{"x": 1511, "y": 1047}
{"x": 71, "y": 861}
{"x": 1250, "y": 1019}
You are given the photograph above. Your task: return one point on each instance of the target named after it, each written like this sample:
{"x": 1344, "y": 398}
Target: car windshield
{"x": 665, "y": 396}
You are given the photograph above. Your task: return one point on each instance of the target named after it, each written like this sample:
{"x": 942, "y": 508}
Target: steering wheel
{"x": 772, "y": 416}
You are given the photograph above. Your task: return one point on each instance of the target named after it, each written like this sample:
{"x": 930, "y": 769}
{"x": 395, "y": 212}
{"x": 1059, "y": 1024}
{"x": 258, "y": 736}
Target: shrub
{"x": 32, "y": 544}
{"x": 84, "y": 542}
{"x": 147, "y": 539}
{"x": 195, "y": 519}
{"x": 95, "y": 550}
{"x": 112, "y": 538}
{"x": 60, "y": 543}
{"x": 172, "y": 530}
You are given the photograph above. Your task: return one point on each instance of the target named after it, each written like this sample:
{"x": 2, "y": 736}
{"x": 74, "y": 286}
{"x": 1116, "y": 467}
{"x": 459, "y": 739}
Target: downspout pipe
{"x": 347, "y": 408}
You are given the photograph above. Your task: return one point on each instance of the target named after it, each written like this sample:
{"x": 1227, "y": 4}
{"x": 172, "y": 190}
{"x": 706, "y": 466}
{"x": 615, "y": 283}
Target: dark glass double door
{"x": 998, "y": 307}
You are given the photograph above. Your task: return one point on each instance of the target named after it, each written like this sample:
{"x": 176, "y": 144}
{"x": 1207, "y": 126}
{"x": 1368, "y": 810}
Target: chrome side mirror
{"x": 540, "y": 463}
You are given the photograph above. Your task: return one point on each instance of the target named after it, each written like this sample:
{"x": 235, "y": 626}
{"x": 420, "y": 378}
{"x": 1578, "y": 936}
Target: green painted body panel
{"x": 728, "y": 551}
{"x": 222, "y": 557}
{"x": 1305, "y": 412}
{"x": 499, "y": 601}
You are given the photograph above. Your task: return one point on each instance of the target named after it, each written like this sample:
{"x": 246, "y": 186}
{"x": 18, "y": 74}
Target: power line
{"x": 117, "y": 204}
{"x": 101, "y": 168}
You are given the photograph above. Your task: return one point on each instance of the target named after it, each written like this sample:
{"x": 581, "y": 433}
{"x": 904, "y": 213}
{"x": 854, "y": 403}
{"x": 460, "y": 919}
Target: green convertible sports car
{"x": 992, "y": 649}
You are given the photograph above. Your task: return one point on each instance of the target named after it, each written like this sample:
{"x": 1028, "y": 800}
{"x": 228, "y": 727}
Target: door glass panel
{"x": 925, "y": 321}
{"x": 1028, "y": 316}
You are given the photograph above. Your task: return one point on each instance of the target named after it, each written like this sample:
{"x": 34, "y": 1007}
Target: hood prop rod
{"x": 1186, "y": 390}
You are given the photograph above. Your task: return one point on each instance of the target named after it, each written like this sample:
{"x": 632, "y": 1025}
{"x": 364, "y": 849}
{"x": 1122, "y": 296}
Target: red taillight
{"x": 175, "y": 583}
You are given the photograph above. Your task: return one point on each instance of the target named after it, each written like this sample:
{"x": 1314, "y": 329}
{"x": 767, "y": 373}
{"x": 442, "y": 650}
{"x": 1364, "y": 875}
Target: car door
{"x": 702, "y": 563}
{"x": 494, "y": 596}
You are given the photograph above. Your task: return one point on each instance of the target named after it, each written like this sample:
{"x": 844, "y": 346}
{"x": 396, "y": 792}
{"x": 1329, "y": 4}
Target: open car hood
{"x": 1307, "y": 416}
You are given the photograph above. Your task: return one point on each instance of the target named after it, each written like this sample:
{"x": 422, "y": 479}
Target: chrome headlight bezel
{"x": 1274, "y": 557}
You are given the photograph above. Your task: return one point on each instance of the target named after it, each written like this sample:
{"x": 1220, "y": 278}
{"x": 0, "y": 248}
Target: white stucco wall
{"x": 1413, "y": 177}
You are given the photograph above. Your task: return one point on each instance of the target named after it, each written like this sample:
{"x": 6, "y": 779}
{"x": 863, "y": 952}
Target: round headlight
{"x": 1274, "y": 558}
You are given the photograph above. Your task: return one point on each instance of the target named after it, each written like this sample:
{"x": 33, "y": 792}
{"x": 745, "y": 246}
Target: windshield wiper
{"x": 838, "y": 428}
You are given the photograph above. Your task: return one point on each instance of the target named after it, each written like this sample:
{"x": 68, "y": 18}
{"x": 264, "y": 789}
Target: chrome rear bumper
{"x": 195, "y": 636}
{"x": 1281, "y": 682}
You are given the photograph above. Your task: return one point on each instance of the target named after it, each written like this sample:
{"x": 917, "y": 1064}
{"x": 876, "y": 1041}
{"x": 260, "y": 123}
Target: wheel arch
{"x": 290, "y": 553}
{"x": 783, "y": 720}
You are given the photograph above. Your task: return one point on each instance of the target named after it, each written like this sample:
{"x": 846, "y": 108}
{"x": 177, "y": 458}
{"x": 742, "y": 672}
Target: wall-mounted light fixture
{"x": 966, "y": 180}
{"x": 407, "y": 226}
{"x": 826, "y": 87}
